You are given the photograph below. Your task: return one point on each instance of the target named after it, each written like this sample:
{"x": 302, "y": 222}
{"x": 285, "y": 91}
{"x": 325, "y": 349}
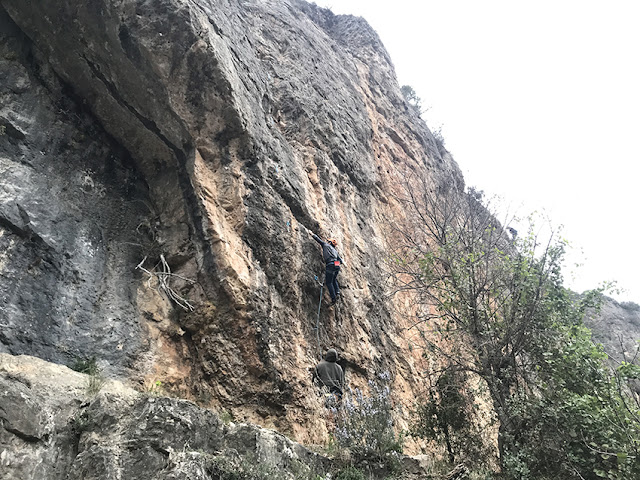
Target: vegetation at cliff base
{"x": 445, "y": 415}
{"x": 491, "y": 306}
{"x": 365, "y": 426}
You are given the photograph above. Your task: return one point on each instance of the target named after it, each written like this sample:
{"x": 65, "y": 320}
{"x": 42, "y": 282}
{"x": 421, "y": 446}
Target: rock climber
{"x": 332, "y": 262}
{"x": 329, "y": 374}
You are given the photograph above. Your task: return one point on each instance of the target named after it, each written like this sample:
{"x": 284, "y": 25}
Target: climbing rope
{"x": 318, "y": 325}
{"x": 317, "y": 329}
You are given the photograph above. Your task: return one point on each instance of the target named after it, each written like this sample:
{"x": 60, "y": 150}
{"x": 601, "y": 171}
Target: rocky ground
{"x": 61, "y": 424}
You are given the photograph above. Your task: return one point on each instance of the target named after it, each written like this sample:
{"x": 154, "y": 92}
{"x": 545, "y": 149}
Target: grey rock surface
{"x": 70, "y": 203}
{"x": 51, "y": 428}
{"x": 617, "y": 327}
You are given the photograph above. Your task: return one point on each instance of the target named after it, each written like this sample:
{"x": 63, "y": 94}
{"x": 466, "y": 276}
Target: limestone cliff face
{"x": 214, "y": 135}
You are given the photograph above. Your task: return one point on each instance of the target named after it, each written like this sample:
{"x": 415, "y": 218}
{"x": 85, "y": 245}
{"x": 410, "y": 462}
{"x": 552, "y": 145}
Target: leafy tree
{"x": 474, "y": 285}
{"x": 492, "y": 304}
{"x": 578, "y": 424}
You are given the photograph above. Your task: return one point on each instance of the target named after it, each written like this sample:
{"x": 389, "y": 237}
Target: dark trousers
{"x": 331, "y": 281}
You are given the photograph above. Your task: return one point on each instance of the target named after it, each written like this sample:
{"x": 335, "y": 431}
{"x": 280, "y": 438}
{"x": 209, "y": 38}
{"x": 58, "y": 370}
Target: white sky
{"x": 539, "y": 103}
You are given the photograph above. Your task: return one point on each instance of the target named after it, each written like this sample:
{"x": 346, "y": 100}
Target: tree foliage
{"x": 412, "y": 97}
{"x": 492, "y": 304}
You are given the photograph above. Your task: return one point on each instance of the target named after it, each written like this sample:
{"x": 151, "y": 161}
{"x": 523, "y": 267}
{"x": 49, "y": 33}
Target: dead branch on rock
{"x": 164, "y": 276}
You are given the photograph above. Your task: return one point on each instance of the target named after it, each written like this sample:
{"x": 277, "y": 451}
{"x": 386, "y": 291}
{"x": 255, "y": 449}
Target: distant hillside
{"x": 617, "y": 327}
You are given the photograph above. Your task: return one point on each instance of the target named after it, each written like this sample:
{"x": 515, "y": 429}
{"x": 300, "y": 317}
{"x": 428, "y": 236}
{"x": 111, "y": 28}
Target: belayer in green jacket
{"x": 329, "y": 374}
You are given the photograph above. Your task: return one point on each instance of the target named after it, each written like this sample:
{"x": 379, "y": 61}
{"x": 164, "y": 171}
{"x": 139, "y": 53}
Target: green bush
{"x": 350, "y": 473}
{"x": 88, "y": 366}
{"x": 95, "y": 381}
{"x": 226, "y": 468}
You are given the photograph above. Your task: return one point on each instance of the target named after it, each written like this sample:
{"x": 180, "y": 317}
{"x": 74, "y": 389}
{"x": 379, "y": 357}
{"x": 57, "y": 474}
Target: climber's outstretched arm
{"x": 316, "y": 238}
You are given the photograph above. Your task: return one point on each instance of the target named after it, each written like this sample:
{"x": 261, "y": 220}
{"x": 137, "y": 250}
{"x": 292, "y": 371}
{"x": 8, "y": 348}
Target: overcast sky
{"x": 539, "y": 103}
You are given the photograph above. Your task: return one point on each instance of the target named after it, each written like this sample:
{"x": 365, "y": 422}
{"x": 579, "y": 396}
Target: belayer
{"x": 329, "y": 374}
{"x": 332, "y": 262}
